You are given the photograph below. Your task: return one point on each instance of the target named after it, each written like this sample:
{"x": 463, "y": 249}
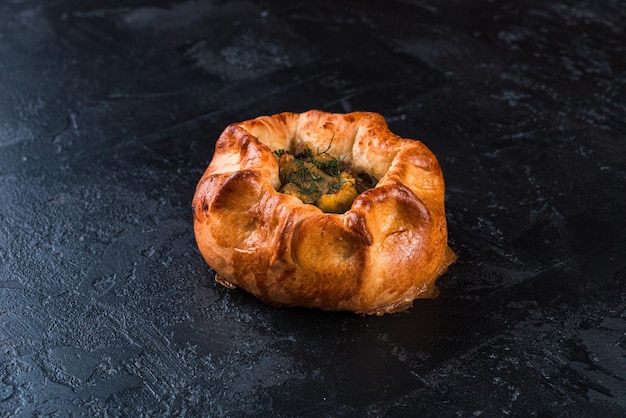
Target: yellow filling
{"x": 321, "y": 180}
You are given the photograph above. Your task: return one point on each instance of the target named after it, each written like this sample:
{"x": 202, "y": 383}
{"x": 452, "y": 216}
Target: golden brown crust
{"x": 377, "y": 257}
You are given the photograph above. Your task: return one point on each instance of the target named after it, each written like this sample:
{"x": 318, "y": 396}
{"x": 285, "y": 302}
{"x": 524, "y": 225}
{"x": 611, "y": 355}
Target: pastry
{"x": 323, "y": 210}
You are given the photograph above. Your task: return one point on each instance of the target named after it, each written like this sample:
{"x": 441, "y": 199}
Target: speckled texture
{"x": 108, "y": 116}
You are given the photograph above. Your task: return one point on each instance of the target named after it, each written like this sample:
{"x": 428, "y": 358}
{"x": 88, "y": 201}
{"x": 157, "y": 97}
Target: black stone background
{"x": 109, "y": 111}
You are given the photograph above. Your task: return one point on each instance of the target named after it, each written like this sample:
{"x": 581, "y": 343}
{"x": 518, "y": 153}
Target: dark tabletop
{"x": 109, "y": 112}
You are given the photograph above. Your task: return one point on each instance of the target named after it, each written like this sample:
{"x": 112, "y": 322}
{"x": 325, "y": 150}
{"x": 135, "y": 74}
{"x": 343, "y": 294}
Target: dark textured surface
{"x": 108, "y": 115}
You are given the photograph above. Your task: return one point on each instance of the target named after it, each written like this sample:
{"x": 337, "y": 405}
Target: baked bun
{"x": 378, "y": 256}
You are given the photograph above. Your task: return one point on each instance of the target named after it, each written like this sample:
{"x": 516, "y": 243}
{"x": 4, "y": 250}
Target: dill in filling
{"x": 320, "y": 179}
